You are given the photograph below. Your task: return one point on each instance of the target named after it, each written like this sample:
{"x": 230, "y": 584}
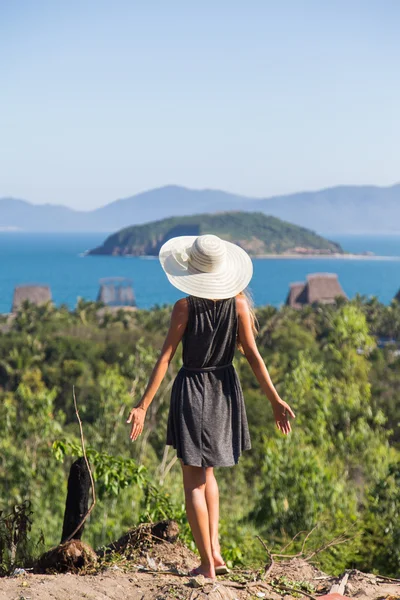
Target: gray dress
{"x": 207, "y": 422}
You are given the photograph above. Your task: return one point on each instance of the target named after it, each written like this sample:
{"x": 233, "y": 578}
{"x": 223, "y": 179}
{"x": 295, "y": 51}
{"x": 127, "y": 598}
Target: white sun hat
{"x": 206, "y": 266}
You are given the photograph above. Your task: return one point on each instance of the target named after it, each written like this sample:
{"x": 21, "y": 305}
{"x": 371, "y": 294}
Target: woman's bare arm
{"x": 281, "y": 409}
{"x": 176, "y": 330}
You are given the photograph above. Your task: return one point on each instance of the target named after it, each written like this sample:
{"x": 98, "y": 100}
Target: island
{"x": 259, "y": 234}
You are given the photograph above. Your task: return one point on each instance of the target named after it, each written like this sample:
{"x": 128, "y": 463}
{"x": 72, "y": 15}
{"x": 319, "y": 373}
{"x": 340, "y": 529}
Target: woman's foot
{"x": 208, "y": 572}
{"x": 219, "y": 563}
{"x": 218, "y": 560}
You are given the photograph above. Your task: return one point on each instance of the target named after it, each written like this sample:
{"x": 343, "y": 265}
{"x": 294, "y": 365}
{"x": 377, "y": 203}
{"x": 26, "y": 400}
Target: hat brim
{"x": 225, "y": 283}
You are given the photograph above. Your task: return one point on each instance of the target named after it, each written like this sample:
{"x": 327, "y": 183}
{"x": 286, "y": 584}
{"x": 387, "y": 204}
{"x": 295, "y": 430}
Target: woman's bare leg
{"x": 212, "y": 499}
{"x": 194, "y": 483}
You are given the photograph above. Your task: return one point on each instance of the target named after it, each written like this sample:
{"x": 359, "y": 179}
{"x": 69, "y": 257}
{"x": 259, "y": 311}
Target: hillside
{"x": 257, "y": 233}
{"x": 341, "y": 209}
{"x": 330, "y": 368}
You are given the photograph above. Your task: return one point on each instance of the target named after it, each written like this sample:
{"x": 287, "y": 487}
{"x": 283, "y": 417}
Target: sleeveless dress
{"x": 207, "y": 422}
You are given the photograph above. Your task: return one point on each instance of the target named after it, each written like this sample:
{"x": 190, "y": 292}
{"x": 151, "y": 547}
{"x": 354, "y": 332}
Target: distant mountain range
{"x": 257, "y": 233}
{"x": 342, "y": 209}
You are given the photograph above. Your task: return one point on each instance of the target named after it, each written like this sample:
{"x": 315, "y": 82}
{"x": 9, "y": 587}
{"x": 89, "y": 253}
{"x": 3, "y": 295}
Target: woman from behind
{"x": 207, "y": 421}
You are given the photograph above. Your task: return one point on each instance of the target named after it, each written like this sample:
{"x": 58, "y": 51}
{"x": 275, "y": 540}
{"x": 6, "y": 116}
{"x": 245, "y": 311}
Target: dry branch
{"x": 340, "y": 539}
{"x": 292, "y": 540}
{"x": 273, "y": 555}
{"x": 385, "y": 578}
{"x": 268, "y": 567}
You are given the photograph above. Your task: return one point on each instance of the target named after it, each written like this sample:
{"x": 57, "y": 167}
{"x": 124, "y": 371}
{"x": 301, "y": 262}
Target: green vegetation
{"x": 340, "y": 467}
{"x": 257, "y": 233}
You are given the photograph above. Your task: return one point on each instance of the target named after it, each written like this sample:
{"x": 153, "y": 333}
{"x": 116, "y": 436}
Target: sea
{"x": 59, "y": 260}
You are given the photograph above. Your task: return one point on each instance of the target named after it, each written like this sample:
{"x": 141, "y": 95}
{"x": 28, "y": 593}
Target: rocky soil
{"x": 159, "y": 573}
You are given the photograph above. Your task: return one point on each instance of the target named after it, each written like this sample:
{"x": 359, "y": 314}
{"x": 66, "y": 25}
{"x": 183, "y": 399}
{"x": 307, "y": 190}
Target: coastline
{"x": 346, "y": 256}
{"x": 337, "y": 256}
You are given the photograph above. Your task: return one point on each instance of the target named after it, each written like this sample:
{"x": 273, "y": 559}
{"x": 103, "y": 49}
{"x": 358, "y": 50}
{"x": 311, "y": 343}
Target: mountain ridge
{"x": 338, "y": 209}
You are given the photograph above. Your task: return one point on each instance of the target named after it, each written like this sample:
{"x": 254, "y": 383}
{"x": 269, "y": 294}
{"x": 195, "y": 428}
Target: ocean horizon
{"x": 59, "y": 260}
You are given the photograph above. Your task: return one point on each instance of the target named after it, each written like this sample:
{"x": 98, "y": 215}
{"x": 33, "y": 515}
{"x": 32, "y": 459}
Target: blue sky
{"x": 100, "y": 100}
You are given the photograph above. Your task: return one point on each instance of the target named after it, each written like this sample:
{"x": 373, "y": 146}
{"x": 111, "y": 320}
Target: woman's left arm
{"x": 176, "y": 330}
{"x": 281, "y": 409}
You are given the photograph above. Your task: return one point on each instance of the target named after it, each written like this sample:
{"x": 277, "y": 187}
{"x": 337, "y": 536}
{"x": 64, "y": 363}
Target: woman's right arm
{"x": 281, "y": 409}
{"x": 176, "y": 330}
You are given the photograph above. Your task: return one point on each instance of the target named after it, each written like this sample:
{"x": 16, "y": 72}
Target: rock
{"x": 18, "y": 571}
{"x": 151, "y": 563}
{"x": 197, "y": 582}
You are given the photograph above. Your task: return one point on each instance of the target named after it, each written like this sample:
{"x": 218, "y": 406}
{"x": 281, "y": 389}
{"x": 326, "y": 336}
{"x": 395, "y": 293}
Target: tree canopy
{"x": 337, "y": 366}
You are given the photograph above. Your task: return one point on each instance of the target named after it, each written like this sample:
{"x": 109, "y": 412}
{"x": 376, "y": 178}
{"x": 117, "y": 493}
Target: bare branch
{"x": 163, "y": 462}
{"x": 169, "y": 466}
{"x": 292, "y": 540}
{"x": 340, "y": 539}
{"x": 307, "y": 536}
{"x": 268, "y": 567}
{"x": 264, "y": 545}
{"x": 301, "y": 553}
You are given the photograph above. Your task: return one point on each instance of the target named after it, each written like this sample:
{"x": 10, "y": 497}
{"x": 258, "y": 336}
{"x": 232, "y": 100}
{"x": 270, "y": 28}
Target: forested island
{"x": 256, "y": 232}
{"x": 337, "y": 365}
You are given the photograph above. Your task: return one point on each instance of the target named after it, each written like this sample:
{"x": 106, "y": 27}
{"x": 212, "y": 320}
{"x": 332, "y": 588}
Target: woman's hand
{"x": 136, "y": 417}
{"x": 282, "y": 411}
{"x": 246, "y": 337}
{"x": 176, "y": 330}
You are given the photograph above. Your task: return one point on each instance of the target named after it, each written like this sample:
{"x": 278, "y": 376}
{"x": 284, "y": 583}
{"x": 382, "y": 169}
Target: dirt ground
{"x": 117, "y": 585}
{"x": 159, "y": 573}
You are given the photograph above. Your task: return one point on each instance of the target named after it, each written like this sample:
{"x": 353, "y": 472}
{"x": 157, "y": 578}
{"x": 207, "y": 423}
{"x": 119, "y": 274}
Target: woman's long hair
{"x": 253, "y": 318}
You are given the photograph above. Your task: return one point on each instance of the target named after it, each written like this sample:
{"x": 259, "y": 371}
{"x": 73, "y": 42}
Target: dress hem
{"x": 231, "y": 464}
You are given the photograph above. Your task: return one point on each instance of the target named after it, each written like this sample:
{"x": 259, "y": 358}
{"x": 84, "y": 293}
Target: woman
{"x": 207, "y": 422}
